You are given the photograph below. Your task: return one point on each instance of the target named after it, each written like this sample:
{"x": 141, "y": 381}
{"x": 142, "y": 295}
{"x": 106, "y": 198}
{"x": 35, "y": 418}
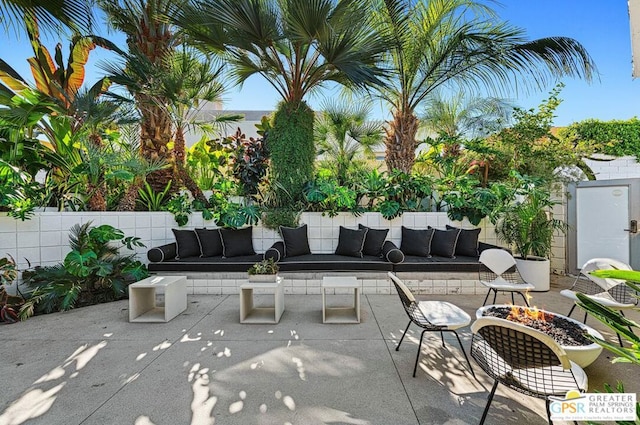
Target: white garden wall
{"x": 606, "y": 167}
{"x": 43, "y": 240}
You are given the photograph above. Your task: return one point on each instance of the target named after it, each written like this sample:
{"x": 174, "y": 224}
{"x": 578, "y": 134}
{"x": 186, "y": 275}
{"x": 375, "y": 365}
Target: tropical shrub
{"x": 527, "y": 220}
{"x": 327, "y": 196}
{"x": 9, "y": 304}
{"x": 92, "y": 272}
{"x": 249, "y": 161}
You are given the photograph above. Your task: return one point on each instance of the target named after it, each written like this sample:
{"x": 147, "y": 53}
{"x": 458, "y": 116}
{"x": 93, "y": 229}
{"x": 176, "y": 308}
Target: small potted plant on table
{"x": 263, "y": 271}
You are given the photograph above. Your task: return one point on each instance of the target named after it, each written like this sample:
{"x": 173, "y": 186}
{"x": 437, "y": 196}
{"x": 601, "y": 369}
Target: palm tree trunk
{"x": 128, "y": 201}
{"x": 155, "y": 134}
{"x": 98, "y": 198}
{"x": 401, "y": 141}
{"x": 183, "y": 177}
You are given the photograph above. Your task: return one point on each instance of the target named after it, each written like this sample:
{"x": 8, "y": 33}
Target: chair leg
{"x": 495, "y": 294}
{"x": 585, "y": 318}
{"x": 526, "y": 302}
{"x": 465, "y": 354}
{"x": 489, "y": 400}
{"x": 547, "y": 408}
{"x": 513, "y": 300}
{"x": 487, "y": 297}
{"x": 442, "y": 336}
{"x": 415, "y": 367}
{"x": 405, "y": 332}
{"x": 572, "y": 308}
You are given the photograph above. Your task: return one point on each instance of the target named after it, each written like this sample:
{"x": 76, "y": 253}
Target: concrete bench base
{"x": 309, "y": 283}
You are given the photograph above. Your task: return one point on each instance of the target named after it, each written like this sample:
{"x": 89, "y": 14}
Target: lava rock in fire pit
{"x": 563, "y": 331}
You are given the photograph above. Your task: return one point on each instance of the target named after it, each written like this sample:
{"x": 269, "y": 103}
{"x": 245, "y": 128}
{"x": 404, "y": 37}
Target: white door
{"x": 602, "y": 217}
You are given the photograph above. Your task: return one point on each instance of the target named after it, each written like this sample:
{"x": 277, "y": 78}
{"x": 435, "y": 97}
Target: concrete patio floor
{"x": 91, "y": 366}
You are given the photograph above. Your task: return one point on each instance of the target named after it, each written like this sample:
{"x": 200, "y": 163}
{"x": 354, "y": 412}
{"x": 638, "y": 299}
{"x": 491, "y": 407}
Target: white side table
{"x": 349, "y": 314}
{"x": 142, "y": 298}
{"x": 251, "y": 314}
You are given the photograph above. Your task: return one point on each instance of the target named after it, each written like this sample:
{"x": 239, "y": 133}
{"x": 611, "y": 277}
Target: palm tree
{"x": 464, "y": 117}
{"x": 186, "y": 83}
{"x": 74, "y": 14}
{"x": 297, "y": 46}
{"x": 460, "y": 117}
{"x": 460, "y": 43}
{"x": 343, "y": 134}
{"x": 150, "y": 41}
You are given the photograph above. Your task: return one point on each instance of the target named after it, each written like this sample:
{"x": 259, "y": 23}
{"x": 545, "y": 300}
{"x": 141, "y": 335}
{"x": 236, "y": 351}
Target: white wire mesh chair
{"x": 523, "y": 359}
{"x": 499, "y": 273}
{"x": 612, "y": 293}
{"x": 431, "y": 316}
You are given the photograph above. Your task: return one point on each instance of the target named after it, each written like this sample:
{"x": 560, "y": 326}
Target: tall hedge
{"x": 616, "y": 137}
{"x": 291, "y": 146}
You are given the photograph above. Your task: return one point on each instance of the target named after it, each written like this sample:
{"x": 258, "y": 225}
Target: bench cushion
{"x": 413, "y": 263}
{"x": 333, "y": 262}
{"x": 208, "y": 264}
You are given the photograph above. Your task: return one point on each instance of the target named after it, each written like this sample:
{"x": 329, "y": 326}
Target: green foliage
{"x": 273, "y": 218}
{"x": 412, "y": 192}
{"x": 529, "y": 147}
{"x": 344, "y": 136}
{"x": 290, "y": 143}
{"x": 152, "y": 200}
{"x": 92, "y": 272}
{"x": 527, "y": 220}
{"x": 249, "y": 158}
{"x": 268, "y": 266}
{"x": 327, "y": 196}
{"x": 474, "y": 202}
{"x": 206, "y": 163}
{"x": 618, "y": 324}
{"x": 180, "y": 206}
{"x": 616, "y": 137}
{"x": 9, "y": 305}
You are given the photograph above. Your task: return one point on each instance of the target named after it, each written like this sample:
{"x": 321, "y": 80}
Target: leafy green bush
{"x": 327, "y": 196}
{"x": 92, "y": 272}
{"x": 615, "y": 137}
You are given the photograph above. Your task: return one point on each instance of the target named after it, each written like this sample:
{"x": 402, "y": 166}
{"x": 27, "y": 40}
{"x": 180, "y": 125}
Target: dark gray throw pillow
{"x": 236, "y": 242}
{"x": 467, "y": 242}
{"x": 351, "y": 242}
{"x": 210, "y": 242}
{"x": 186, "y": 243}
{"x": 296, "y": 241}
{"x": 444, "y": 242}
{"x": 416, "y": 241}
{"x": 374, "y": 240}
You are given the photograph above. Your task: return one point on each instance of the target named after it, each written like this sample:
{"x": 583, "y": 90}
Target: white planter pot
{"x": 270, "y": 278}
{"x": 535, "y": 270}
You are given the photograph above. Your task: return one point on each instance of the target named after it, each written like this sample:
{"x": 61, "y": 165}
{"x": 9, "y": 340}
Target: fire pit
{"x": 569, "y": 333}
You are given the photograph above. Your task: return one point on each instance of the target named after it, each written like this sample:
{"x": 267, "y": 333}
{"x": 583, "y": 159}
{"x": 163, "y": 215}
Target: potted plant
{"x": 528, "y": 224}
{"x": 263, "y": 271}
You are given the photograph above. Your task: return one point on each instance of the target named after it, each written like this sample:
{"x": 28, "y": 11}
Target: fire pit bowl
{"x": 571, "y": 338}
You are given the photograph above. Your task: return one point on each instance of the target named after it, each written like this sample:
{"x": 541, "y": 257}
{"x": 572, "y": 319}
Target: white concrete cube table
{"x": 348, "y": 314}
{"x": 142, "y": 298}
{"x": 251, "y": 314}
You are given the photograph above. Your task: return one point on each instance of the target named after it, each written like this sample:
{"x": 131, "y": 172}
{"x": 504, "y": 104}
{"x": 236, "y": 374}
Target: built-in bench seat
{"x": 163, "y": 259}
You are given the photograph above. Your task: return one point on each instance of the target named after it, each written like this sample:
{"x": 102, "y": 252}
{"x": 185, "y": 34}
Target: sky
{"x": 601, "y": 26}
